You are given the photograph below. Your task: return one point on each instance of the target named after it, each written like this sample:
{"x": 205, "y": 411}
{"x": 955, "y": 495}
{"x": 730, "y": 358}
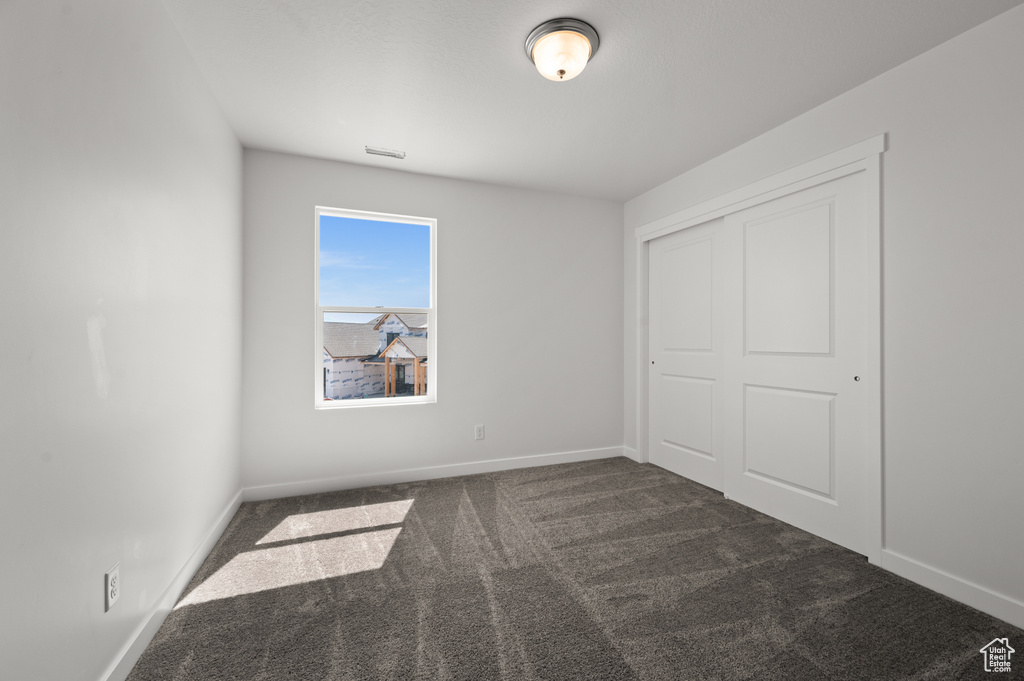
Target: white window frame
{"x": 319, "y": 311}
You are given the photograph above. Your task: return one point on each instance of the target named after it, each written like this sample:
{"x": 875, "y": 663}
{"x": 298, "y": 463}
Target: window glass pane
{"x": 370, "y": 263}
{"x": 374, "y": 355}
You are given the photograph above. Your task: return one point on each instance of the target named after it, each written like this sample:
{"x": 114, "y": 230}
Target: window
{"x": 375, "y": 323}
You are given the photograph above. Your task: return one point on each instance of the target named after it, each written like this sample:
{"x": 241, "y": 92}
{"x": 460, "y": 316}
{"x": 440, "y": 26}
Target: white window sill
{"x": 374, "y": 402}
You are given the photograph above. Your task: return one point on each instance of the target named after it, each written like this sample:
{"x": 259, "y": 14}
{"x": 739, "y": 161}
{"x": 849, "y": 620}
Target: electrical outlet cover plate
{"x": 479, "y": 432}
{"x": 111, "y": 587}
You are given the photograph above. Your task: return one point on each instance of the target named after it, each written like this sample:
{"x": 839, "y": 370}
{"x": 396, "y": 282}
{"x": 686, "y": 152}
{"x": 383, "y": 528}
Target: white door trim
{"x": 863, "y": 157}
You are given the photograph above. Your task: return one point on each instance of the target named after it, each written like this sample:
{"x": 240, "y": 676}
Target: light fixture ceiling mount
{"x": 561, "y": 48}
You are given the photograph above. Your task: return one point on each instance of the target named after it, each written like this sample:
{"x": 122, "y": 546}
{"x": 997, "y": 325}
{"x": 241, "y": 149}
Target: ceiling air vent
{"x": 377, "y": 151}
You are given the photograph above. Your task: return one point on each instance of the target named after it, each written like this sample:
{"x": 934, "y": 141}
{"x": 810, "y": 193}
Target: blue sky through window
{"x": 369, "y": 263}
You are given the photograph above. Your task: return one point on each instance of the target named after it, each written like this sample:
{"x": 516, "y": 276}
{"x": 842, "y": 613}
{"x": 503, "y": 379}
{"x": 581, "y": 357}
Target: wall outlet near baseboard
{"x": 478, "y": 433}
{"x": 111, "y": 587}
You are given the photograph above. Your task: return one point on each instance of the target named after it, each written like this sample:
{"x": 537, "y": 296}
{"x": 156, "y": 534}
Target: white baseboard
{"x": 631, "y": 453}
{"x": 997, "y": 605}
{"x": 293, "y": 489}
{"x": 134, "y": 647}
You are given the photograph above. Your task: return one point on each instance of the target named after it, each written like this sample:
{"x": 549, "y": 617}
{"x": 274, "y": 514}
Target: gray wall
{"x": 516, "y": 269}
{"x": 120, "y": 291}
{"x": 953, "y": 245}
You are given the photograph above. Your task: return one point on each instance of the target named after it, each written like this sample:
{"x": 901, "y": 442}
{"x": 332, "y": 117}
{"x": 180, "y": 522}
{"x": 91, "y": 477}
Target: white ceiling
{"x": 674, "y": 83}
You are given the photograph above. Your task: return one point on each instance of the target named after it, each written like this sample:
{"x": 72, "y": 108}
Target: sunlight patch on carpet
{"x": 304, "y": 560}
{"x": 303, "y": 525}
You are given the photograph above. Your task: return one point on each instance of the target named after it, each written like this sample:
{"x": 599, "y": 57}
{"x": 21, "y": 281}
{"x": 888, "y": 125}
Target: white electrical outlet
{"x": 111, "y": 587}
{"x": 479, "y": 433}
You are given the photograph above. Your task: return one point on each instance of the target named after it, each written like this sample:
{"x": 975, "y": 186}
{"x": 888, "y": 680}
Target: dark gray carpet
{"x": 591, "y": 571}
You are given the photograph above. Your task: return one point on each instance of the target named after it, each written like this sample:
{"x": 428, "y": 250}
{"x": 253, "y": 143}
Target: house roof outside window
{"x": 415, "y": 344}
{"x": 411, "y": 321}
{"x": 344, "y": 339}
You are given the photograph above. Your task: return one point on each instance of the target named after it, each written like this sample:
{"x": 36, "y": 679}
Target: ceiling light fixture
{"x": 561, "y": 48}
{"x": 377, "y": 151}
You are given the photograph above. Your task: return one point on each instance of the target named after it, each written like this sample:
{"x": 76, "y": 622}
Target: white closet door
{"x": 685, "y": 296}
{"x": 795, "y": 347}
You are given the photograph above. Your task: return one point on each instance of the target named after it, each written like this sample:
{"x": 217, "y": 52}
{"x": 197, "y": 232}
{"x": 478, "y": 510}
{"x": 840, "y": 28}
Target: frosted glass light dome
{"x": 561, "y": 55}
{"x": 561, "y": 48}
